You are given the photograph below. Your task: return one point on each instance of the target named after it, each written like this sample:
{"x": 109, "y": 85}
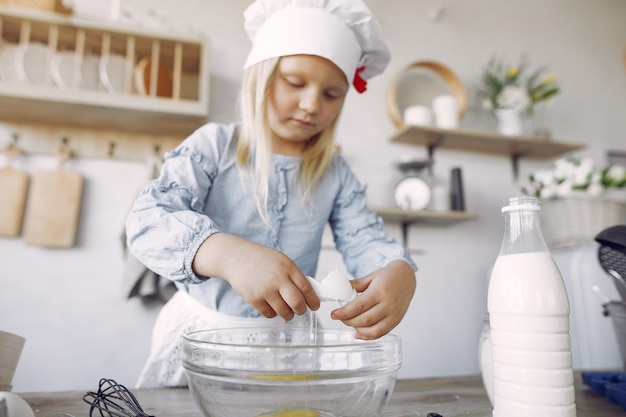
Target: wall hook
{"x": 64, "y": 152}
{"x": 12, "y": 151}
{"x": 111, "y": 150}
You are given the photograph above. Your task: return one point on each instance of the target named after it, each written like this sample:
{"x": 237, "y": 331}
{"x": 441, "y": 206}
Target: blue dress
{"x": 201, "y": 191}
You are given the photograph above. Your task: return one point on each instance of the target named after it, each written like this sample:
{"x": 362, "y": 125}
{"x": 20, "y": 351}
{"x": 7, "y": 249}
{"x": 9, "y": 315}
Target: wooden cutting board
{"x": 13, "y": 189}
{"x": 53, "y": 208}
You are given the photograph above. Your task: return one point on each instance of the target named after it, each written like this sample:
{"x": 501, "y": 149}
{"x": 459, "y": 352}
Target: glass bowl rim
{"x": 388, "y": 339}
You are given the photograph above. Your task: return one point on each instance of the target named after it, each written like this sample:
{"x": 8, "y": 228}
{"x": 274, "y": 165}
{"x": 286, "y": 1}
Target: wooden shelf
{"x": 173, "y": 97}
{"x": 487, "y": 142}
{"x": 442, "y": 218}
{"x": 515, "y": 147}
{"x": 408, "y": 217}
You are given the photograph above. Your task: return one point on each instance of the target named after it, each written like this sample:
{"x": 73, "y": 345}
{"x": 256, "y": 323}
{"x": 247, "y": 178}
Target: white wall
{"x": 68, "y": 303}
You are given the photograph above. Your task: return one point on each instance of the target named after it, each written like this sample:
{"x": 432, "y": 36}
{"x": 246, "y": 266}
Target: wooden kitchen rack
{"x": 163, "y": 87}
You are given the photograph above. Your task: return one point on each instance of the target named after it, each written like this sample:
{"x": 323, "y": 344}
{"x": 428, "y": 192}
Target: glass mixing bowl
{"x": 290, "y": 372}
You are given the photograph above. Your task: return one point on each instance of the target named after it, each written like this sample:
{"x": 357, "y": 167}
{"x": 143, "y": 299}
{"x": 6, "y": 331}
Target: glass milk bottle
{"x": 529, "y": 319}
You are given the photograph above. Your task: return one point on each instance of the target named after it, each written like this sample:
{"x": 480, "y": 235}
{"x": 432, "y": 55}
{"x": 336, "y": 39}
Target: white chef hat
{"x": 342, "y": 31}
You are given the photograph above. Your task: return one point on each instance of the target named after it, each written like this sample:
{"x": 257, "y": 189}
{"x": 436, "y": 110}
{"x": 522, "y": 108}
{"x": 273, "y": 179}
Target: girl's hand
{"x": 383, "y": 301}
{"x": 265, "y": 278}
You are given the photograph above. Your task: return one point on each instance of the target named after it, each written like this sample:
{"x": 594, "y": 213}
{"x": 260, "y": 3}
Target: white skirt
{"x": 183, "y": 314}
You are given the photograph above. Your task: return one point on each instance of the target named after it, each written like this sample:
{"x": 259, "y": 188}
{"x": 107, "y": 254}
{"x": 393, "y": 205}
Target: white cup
{"x": 418, "y": 116}
{"x": 94, "y": 9}
{"x": 446, "y": 110}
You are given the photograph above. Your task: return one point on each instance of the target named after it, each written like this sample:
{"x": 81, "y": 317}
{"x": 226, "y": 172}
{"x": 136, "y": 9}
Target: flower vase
{"x": 510, "y": 122}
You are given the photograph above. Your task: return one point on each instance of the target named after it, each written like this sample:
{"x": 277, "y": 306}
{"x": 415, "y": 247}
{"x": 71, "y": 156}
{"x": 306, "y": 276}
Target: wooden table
{"x": 451, "y": 397}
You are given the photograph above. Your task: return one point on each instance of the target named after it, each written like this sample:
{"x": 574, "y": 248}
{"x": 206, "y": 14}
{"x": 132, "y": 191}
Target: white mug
{"x": 94, "y": 9}
{"x": 446, "y": 109}
{"x": 418, "y": 116}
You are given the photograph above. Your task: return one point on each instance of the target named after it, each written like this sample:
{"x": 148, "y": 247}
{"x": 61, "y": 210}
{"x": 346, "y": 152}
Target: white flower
{"x": 564, "y": 188}
{"x": 513, "y": 97}
{"x": 547, "y": 192}
{"x": 581, "y": 177}
{"x": 571, "y": 175}
{"x": 616, "y": 173}
{"x": 595, "y": 189}
{"x": 587, "y": 164}
{"x": 564, "y": 168}
{"x": 545, "y": 177}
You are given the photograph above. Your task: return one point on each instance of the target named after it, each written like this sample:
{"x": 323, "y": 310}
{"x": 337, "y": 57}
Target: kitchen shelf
{"x": 408, "y": 217}
{"x": 162, "y": 79}
{"x": 515, "y": 147}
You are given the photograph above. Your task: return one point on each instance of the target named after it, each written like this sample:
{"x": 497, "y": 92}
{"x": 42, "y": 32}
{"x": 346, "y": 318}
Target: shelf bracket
{"x": 515, "y": 165}
{"x": 515, "y": 157}
{"x": 438, "y": 141}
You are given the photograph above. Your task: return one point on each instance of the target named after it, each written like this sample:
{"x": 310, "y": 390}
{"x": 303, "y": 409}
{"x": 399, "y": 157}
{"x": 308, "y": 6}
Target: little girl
{"x": 237, "y": 215}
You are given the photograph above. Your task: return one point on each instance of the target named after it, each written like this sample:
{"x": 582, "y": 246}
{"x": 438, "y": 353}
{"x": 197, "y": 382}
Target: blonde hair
{"x": 254, "y": 143}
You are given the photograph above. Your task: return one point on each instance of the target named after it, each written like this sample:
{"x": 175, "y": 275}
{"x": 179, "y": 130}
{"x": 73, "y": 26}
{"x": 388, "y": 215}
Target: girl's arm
{"x": 265, "y": 278}
{"x": 385, "y": 296}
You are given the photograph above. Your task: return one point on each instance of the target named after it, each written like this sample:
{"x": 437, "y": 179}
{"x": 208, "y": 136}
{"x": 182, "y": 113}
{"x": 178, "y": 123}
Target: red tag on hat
{"x": 359, "y": 82}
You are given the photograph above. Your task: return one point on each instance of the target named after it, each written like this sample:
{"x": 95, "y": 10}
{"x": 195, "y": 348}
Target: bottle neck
{"x": 522, "y": 231}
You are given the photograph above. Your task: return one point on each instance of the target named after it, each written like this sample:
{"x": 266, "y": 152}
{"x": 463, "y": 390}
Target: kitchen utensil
{"x": 612, "y": 255}
{"x": 617, "y": 311}
{"x": 53, "y": 206}
{"x": 619, "y": 282}
{"x": 289, "y": 371}
{"x": 13, "y": 188}
{"x": 113, "y": 400}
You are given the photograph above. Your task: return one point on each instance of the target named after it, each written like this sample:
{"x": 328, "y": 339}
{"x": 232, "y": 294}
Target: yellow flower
{"x": 512, "y": 72}
{"x": 549, "y": 79}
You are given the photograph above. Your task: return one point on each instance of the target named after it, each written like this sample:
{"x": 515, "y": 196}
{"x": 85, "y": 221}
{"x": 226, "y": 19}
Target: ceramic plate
{"x": 62, "y": 69}
{"x": 91, "y": 72}
{"x": 142, "y": 78}
{"x": 7, "y": 62}
{"x": 33, "y": 63}
{"x": 112, "y": 71}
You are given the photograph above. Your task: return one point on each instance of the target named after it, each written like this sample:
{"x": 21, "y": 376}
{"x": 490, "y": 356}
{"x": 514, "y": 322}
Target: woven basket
{"x": 575, "y": 221}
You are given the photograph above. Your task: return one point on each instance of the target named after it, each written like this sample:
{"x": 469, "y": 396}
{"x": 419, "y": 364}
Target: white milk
{"x": 529, "y": 318}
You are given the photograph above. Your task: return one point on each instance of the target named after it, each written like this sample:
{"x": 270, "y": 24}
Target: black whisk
{"x": 113, "y": 400}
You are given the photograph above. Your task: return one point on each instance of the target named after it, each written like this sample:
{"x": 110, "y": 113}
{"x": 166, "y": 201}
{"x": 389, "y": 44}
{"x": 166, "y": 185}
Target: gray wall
{"x": 68, "y": 303}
